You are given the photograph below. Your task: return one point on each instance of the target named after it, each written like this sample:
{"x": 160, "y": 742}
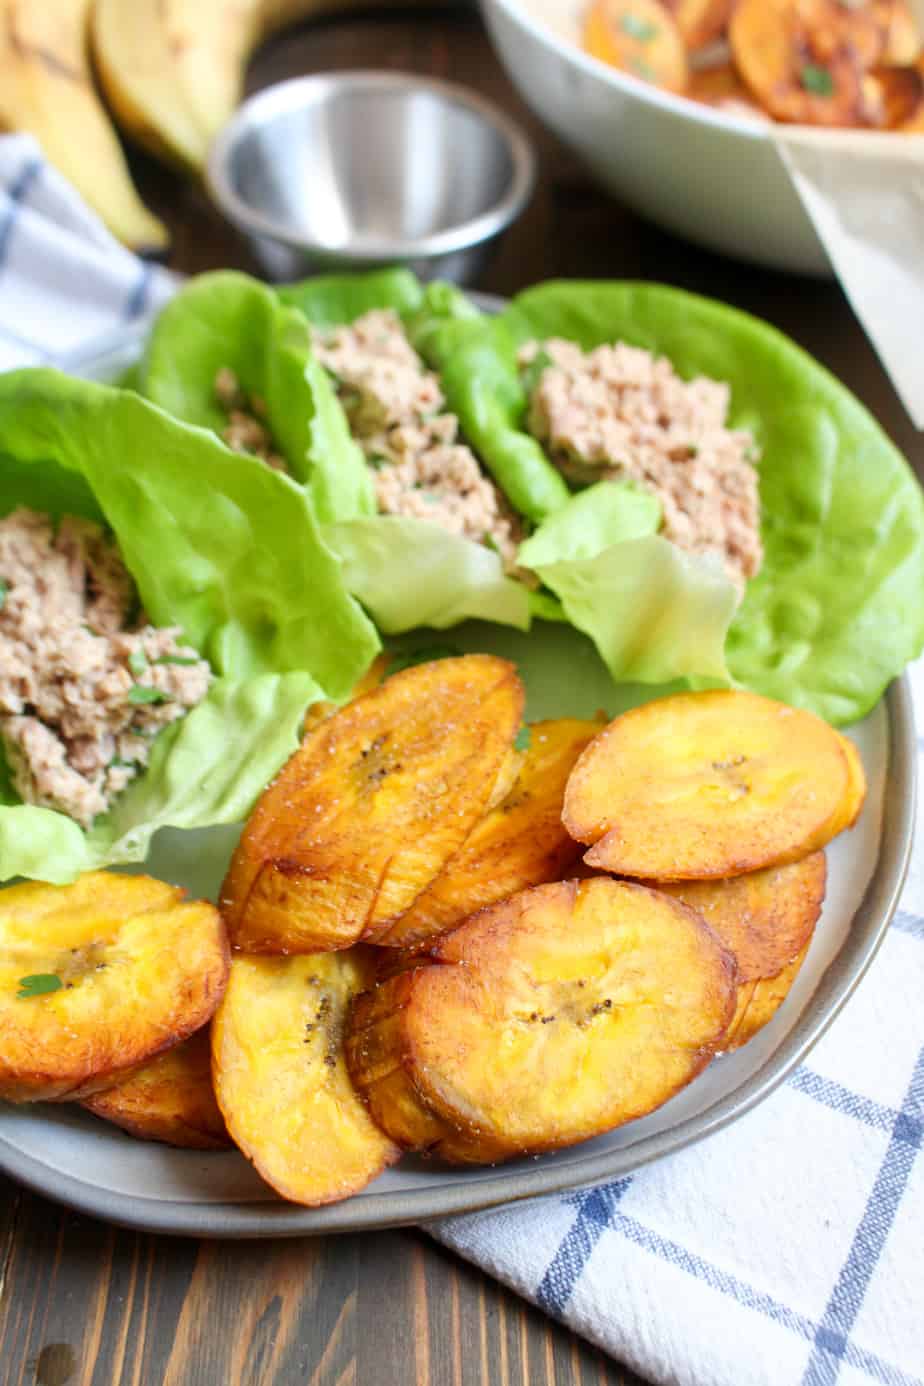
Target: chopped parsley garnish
{"x": 137, "y": 662}
{"x": 177, "y": 659}
{"x": 523, "y": 739}
{"x": 425, "y": 654}
{"x": 38, "y": 984}
{"x": 143, "y": 694}
{"x": 4, "y": 588}
{"x": 643, "y": 69}
{"x": 817, "y": 80}
{"x": 638, "y": 28}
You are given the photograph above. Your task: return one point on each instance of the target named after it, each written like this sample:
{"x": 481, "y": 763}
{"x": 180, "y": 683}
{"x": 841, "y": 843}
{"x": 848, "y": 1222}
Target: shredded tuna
{"x": 620, "y": 413}
{"x": 246, "y": 429}
{"x": 73, "y": 662}
{"x": 395, "y": 408}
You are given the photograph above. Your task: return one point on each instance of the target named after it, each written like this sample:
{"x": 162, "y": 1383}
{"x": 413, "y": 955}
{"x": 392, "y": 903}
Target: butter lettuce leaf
{"x": 330, "y": 300}
{"x": 409, "y": 573}
{"x": 654, "y": 613}
{"x": 217, "y": 544}
{"x": 226, "y": 319}
{"x": 836, "y": 611}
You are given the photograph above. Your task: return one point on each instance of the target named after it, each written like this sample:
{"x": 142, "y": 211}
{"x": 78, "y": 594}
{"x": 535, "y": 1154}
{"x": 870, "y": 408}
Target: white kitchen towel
{"x": 788, "y": 1248}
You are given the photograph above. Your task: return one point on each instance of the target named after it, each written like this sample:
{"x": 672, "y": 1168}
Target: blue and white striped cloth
{"x": 788, "y": 1248}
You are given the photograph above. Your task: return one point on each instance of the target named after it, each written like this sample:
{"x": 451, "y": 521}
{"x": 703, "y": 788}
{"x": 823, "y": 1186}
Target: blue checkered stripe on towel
{"x": 66, "y": 286}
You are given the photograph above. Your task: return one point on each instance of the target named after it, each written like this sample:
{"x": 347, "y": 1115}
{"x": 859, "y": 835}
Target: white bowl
{"x": 713, "y": 177}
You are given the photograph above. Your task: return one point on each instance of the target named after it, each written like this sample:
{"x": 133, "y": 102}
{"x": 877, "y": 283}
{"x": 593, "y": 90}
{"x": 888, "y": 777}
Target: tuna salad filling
{"x": 86, "y": 682}
{"x": 620, "y": 413}
{"x": 245, "y": 430}
{"x": 395, "y": 410}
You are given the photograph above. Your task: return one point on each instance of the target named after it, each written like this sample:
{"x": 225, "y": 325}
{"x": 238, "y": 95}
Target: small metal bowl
{"x": 355, "y": 169}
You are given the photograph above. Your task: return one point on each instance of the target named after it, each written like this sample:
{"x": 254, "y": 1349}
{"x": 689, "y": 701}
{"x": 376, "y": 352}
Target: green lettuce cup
{"x": 225, "y": 549}
{"x": 229, "y": 321}
{"x": 836, "y": 610}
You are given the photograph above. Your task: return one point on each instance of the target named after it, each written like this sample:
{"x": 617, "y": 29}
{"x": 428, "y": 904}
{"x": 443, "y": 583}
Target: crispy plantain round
{"x": 280, "y": 1077}
{"x": 637, "y": 36}
{"x": 765, "y": 918}
{"x": 170, "y": 1099}
{"x": 701, "y": 21}
{"x": 98, "y": 977}
{"x": 805, "y": 60}
{"x": 758, "y": 1003}
{"x": 520, "y": 842}
{"x": 704, "y": 785}
{"x": 371, "y": 807}
{"x": 542, "y": 1021}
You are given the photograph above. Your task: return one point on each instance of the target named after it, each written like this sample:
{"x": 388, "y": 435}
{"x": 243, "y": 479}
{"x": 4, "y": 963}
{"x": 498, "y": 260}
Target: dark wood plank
{"x": 87, "y": 1304}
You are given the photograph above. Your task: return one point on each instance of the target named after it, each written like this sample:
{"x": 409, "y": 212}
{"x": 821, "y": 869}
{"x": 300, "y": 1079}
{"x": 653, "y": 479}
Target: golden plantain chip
{"x": 720, "y": 86}
{"x": 704, "y": 785}
{"x": 371, "y": 807}
{"x": 521, "y": 842}
{"x": 804, "y": 60}
{"x": 759, "y": 1002}
{"x": 638, "y": 36}
{"x": 542, "y": 1021}
{"x": 169, "y": 1099}
{"x": 281, "y": 1081}
{"x": 764, "y": 918}
{"x": 98, "y": 977}
{"x": 701, "y": 21}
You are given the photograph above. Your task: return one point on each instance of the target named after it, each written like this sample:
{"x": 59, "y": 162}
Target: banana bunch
{"x": 172, "y": 72}
{"x": 46, "y": 87}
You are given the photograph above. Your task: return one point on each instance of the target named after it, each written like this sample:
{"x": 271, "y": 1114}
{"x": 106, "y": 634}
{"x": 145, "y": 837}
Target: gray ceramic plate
{"x": 68, "y": 1155}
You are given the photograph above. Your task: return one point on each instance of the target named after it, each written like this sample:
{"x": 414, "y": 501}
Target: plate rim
{"x": 258, "y": 1219}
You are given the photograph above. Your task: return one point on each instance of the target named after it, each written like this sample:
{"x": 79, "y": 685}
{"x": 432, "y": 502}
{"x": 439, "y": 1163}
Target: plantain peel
{"x": 544, "y": 1020}
{"x": 169, "y": 1099}
{"x": 710, "y": 785}
{"x": 520, "y": 842}
{"x": 98, "y": 977}
{"x": 280, "y": 1077}
{"x": 371, "y": 807}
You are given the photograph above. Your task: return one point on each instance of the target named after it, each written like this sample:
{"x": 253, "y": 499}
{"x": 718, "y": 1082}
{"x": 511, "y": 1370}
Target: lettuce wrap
{"x": 226, "y": 319}
{"x": 836, "y": 610}
{"x": 406, "y": 572}
{"x": 228, "y": 550}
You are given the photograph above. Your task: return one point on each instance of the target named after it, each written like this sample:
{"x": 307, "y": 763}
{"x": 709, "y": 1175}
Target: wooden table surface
{"x": 84, "y": 1303}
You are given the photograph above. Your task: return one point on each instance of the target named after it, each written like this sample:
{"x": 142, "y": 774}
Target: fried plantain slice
{"x": 704, "y": 785}
{"x": 701, "y": 21}
{"x": 374, "y": 675}
{"x": 894, "y": 96}
{"x": 638, "y": 36}
{"x": 170, "y": 1099}
{"x": 759, "y": 1002}
{"x": 280, "y": 1077}
{"x": 721, "y": 87}
{"x": 542, "y": 1021}
{"x": 855, "y": 797}
{"x": 98, "y": 977}
{"x": 764, "y": 918}
{"x": 521, "y": 842}
{"x": 804, "y": 60}
{"x": 371, "y": 807}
